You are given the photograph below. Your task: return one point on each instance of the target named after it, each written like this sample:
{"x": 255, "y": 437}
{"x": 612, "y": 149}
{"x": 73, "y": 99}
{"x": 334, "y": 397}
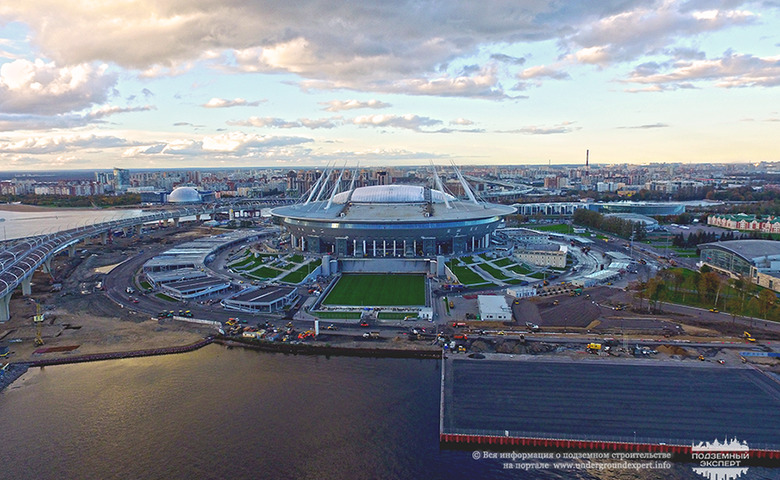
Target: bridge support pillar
{"x": 176, "y": 222}
{"x": 197, "y": 217}
{"x": 72, "y": 250}
{"x": 138, "y": 229}
{"x": 125, "y": 232}
{"x": 5, "y": 312}
{"x": 46, "y": 266}
{"x": 27, "y": 286}
{"x": 104, "y": 238}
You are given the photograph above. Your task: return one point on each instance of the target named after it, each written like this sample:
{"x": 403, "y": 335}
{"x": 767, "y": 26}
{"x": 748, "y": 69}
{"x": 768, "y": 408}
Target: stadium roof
{"x": 391, "y": 194}
{"x": 750, "y": 250}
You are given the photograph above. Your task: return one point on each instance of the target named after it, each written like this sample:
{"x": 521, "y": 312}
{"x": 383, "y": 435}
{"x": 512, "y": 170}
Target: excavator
{"x": 748, "y": 337}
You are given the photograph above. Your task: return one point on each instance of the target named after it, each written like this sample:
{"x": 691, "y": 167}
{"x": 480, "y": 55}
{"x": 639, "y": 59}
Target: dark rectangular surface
{"x": 655, "y": 403}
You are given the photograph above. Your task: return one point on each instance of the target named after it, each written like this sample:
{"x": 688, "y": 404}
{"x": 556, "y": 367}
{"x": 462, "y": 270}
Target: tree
{"x": 710, "y": 284}
{"x": 766, "y": 298}
{"x": 742, "y": 287}
{"x": 677, "y": 278}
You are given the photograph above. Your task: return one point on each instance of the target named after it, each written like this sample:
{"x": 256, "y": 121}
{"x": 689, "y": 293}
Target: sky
{"x": 93, "y": 84}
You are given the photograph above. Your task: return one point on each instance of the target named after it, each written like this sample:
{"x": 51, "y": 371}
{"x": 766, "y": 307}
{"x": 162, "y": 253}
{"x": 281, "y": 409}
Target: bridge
{"x": 20, "y": 259}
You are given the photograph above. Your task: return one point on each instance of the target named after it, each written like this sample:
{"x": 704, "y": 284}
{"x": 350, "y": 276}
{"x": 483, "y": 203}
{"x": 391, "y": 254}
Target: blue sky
{"x": 207, "y": 83}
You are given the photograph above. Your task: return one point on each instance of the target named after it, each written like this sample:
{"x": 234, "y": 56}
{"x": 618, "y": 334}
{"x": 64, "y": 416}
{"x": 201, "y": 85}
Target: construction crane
{"x": 38, "y": 320}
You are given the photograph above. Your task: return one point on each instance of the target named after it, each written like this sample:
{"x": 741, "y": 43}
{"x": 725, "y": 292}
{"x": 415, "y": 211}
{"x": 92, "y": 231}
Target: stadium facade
{"x": 389, "y": 220}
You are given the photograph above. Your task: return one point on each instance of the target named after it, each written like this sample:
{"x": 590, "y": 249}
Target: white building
{"x": 493, "y": 307}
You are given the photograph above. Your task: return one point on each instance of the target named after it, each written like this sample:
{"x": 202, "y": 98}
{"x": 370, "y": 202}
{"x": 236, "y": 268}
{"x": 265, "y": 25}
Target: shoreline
{"x": 17, "y": 369}
{"x": 328, "y": 350}
{"x": 24, "y": 208}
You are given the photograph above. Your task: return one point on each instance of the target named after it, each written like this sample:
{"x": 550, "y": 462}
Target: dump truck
{"x": 593, "y": 347}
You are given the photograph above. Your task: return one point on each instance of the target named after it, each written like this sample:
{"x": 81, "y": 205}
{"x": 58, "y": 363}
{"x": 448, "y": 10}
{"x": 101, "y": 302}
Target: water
{"x": 233, "y": 413}
{"x": 27, "y": 224}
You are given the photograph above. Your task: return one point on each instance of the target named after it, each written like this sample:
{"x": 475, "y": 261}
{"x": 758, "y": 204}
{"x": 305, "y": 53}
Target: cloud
{"x": 231, "y": 144}
{"x": 237, "y": 102}
{"x": 264, "y": 122}
{"x": 44, "y": 89}
{"x": 60, "y": 143}
{"x": 341, "y": 105}
{"x": 565, "y": 127}
{"x": 10, "y": 122}
{"x": 543, "y": 71}
{"x": 646, "y": 127}
{"x": 273, "y": 122}
{"x": 647, "y": 28}
{"x": 410, "y": 122}
{"x": 500, "y": 57}
{"x": 728, "y": 71}
{"x": 377, "y": 46}
{"x": 461, "y": 121}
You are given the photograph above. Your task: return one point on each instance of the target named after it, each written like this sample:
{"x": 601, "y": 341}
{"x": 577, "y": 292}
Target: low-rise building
{"x": 493, "y": 307}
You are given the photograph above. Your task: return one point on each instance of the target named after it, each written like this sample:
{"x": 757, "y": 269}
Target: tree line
{"x": 615, "y": 225}
{"x": 695, "y": 239}
{"x": 74, "y": 201}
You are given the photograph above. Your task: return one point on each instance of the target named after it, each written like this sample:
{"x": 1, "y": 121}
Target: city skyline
{"x": 155, "y": 85}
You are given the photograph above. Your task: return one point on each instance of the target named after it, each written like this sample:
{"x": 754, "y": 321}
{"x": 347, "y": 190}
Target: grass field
{"x": 465, "y": 275}
{"x": 337, "y": 315}
{"x": 496, "y": 273}
{"x": 521, "y": 269}
{"x": 297, "y": 276}
{"x": 556, "y": 228}
{"x": 378, "y": 290}
{"x": 502, "y": 262}
{"x": 396, "y": 315}
{"x": 265, "y": 272}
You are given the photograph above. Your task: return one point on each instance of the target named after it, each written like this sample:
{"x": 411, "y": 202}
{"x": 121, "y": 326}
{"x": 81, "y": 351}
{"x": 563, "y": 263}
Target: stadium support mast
{"x": 324, "y": 186}
{"x": 465, "y": 185}
{"x": 335, "y": 188}
{"x": 437, "y": 181}
{"x": 316, "y": 186}
{"x": 352, "y": 183}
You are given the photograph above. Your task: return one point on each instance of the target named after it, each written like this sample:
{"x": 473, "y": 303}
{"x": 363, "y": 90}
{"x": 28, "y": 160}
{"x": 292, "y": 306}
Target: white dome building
{"x": 184, "y": 195}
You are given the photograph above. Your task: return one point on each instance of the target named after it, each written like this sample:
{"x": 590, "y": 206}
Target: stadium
{"x": 389, "y": 220}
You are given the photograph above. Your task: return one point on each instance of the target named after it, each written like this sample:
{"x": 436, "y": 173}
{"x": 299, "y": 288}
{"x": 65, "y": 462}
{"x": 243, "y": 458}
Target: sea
{"x": 16, "y": 224}
{"x": 233, "y": 413}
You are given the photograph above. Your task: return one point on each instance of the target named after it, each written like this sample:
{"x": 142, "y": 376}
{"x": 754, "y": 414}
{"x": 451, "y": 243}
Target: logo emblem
{"x": 720, "y": 461}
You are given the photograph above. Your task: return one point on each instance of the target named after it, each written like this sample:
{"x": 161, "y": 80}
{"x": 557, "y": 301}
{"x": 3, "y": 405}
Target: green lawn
{"x": 465, "y": 275}
{"x": 497, "y": 274}
{"x": 146, "y": 285}
{"x": 557, "y": 228}
{"x": 297, "y": 275}
{"x": 502, "y": 262}
{"x": 296, "y": 258}
{"x": 165, "y": 297}
{"x": 378, "y": 290}
{"x": 395, "y": 315}
{"x": 521, "y": 269}
{"x": 241, "y": 263}
{"x": 337, "y": 315}
{"x": 469, "y": 260}
{"x": 265, "y": 272}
